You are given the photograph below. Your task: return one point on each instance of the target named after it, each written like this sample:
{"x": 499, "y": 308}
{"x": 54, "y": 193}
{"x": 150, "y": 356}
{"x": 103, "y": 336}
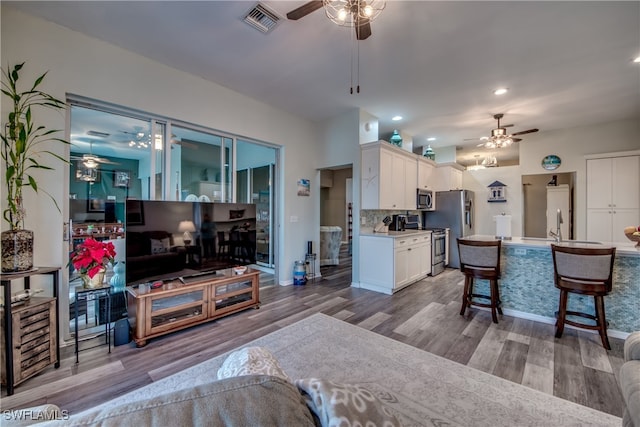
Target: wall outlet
{"x": 520, "y": 251}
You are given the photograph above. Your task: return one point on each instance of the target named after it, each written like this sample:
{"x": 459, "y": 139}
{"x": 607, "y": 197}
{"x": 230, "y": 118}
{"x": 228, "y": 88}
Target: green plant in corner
{"x": 21, "y": 154}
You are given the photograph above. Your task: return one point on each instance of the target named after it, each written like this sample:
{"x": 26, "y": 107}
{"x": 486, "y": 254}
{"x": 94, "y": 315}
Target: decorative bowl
{"x": 633, "y": 238}
{"x": 240, "y": 269}
{"x": 630, "y": 232}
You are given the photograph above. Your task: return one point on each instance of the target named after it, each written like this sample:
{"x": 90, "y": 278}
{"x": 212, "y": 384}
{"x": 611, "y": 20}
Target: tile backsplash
{"x": 374, "y": 216}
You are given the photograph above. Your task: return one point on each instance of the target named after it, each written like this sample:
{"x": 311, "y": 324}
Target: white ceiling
{"x": 567, "y": 64}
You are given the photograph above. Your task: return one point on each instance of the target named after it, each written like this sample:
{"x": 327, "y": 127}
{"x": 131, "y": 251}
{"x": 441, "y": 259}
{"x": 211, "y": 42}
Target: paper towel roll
{"x": 503, "y": 226}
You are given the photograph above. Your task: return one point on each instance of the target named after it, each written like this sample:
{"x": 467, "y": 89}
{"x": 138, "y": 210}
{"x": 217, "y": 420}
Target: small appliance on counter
{"x": 383, "y": 226}
{"x": 412, "y": 222}
{"x": 398, "y": 222}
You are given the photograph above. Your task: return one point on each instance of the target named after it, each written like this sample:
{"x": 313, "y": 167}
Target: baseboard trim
{"x": 552, "y": 321}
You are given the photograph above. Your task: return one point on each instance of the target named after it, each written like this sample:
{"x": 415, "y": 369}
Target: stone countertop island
{"x": 527, "y": 289}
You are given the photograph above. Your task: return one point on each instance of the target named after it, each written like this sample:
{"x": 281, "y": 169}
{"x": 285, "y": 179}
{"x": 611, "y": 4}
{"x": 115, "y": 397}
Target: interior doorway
{"x": 336, "y": 201}
{"x": 541, "y": 199}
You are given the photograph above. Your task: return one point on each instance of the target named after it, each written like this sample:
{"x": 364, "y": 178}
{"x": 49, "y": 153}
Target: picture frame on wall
{"x": 135, "y": 212}
{"x": 95, "y": 204}
{"x": 121, "y": 179}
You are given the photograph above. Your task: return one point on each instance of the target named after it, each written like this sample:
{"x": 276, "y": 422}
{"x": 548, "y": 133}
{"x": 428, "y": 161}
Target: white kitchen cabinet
{"x": 613, "y": 196}
{"x": 426, "y": 174}
{"x": 448, "y": 177}
{"x": 389, "y": 177}
{"x": 390, "y": 263}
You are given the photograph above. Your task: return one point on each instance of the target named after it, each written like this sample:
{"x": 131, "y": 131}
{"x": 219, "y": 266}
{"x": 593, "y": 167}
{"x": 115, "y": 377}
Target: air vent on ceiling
{"x": 97, "y": 133}
{"x": 261, "y": 18}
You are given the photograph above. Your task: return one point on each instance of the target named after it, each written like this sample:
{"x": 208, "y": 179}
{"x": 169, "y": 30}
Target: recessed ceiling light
{"x": 396, "y": 118}
{"x": 501, "y": 91}
{"x": 431, "y": 139}
{"x": 637, "y": 60}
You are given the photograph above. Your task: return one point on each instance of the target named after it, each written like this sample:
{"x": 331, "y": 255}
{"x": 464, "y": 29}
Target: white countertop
{"x": 622, "y": 248}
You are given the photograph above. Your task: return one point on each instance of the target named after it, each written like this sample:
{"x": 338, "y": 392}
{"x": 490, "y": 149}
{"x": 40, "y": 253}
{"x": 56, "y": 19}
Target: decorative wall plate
{"x": 551, "y": 162}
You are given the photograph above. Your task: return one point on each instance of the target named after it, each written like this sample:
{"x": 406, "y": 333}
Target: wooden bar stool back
{"x": 586, "y": 271}
{"x": 480, "y": 259}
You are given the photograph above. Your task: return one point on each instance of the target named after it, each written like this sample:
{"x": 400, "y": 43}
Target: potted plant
{"x": 91, "y": 259}
{"x": 21, "y": 154}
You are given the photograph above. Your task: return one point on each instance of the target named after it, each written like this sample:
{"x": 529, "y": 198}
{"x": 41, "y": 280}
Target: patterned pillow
{"x": 345, "y": 404}
{"x": 251, "y": 361}
{"x": 160, "y": 246}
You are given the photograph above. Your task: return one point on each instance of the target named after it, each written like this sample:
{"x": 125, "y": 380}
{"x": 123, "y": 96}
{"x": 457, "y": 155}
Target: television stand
{"x": 178, "y": 305}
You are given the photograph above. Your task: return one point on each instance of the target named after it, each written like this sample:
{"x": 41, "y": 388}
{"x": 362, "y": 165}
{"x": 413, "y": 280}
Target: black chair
{"x": 586, "y": 271}
{"x": 224, "y": 246}
{"x": 480, "y": 259}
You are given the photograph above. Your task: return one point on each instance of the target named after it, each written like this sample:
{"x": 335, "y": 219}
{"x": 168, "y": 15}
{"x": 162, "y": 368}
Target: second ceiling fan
{"x": 352, "y": 13}
{"x": 499, "y": 137}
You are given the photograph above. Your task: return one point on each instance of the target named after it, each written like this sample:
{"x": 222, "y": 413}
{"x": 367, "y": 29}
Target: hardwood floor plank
{"x": 512, "y": 360}
{"x": 373, "y": 321}
{"x": 603, "y": 392}
{"x": 593, "y": 354}
{"x": 488, "y": 350}
{"x": 569, "y": 381}
{"x": 415, "y": 322}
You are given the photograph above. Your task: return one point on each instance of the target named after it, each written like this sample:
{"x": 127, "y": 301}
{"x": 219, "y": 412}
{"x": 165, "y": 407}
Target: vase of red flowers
{"x": 91, "y": 259}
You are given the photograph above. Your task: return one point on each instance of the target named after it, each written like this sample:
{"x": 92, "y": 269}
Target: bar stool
{"x": 480, "y": 259}
{"x": 586, "y": 271}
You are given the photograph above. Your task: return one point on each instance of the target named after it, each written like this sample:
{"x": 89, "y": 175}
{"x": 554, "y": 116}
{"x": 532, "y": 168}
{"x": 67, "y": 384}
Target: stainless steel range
{"x": 438, "y": 250}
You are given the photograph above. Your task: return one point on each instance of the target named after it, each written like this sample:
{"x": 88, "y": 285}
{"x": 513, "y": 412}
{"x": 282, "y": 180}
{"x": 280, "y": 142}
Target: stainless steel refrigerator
{"x": 454, "y": 210}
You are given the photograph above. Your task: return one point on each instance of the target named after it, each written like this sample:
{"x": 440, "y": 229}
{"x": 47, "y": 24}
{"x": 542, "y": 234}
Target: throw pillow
{"x": 345, "y": 404}
{"x": 251, "y": 361}
{"x": 160, "y": 246}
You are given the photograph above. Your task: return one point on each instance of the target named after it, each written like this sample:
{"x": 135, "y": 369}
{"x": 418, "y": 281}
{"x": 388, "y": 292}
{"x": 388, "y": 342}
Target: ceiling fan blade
{"x": 304, "y": 10}
{"x": 516, "y": 139}
{"x": 524, "y": 132}
{"x": 105, "y": 161}
{"x": 363, "y": 28}
{"x": 507, "y": 126}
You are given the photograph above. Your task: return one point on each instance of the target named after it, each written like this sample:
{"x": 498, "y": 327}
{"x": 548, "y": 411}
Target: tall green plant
{"x": 21, "y": 139}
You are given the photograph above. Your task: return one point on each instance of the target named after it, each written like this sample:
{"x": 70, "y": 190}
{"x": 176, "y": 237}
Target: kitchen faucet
{"x": 558, "y": 234}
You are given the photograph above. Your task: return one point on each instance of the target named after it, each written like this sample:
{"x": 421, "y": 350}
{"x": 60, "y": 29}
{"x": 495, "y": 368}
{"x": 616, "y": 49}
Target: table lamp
{"x": 186, "y": 228}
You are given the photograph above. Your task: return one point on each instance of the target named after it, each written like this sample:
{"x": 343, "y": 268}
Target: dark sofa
{"x": 152, "y": 253}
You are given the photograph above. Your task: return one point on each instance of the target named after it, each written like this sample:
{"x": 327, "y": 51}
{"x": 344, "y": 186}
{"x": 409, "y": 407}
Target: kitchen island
{"x": 527, "y": 289}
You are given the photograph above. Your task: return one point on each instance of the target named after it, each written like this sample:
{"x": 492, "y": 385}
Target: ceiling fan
{"x": 91, "y": 161}
{"x": 351, "y": 13}
{"x": 499, "y": 137}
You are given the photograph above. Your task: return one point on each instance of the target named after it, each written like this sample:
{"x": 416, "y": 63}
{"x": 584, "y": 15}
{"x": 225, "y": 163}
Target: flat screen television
{"x": 172, "y": 239}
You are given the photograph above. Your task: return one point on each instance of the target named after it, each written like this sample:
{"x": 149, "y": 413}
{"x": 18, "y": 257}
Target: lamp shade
{"x": 187, "y": 226}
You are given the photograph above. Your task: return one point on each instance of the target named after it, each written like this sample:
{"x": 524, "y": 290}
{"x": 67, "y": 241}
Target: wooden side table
{"x": 6, "y": 280}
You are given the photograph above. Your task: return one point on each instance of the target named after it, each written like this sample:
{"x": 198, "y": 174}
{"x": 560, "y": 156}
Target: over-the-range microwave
{"x": 425, "y": 200}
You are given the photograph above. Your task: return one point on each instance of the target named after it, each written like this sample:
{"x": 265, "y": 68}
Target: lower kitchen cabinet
{"x": 389, "y": 263}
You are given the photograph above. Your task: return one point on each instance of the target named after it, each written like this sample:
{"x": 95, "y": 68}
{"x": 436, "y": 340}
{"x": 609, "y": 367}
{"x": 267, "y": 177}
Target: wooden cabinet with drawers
{"x": 34, "y": 340}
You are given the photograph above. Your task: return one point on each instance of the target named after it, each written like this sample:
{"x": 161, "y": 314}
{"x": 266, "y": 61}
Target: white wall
{"x": 91, "y": 68}
{"x": 478, "y": 182}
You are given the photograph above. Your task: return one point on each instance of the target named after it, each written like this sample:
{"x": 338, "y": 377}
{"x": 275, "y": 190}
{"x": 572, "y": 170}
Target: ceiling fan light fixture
{"x": 501, "y": 91}
{"x": 349, "y": 13}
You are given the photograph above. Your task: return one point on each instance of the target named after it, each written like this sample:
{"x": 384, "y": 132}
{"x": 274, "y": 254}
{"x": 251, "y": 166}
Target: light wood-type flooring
{"x": 425, "y": 315}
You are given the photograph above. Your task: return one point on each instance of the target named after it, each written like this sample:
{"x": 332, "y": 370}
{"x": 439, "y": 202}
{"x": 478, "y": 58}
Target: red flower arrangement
{"x": 91, "y": 256}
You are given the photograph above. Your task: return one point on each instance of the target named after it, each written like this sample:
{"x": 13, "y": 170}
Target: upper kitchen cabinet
{"x": 613, "y": 196}
{"x": 389, "y": 177}
{"x": 448, "y": 177}
{"x": 426, "y": 174}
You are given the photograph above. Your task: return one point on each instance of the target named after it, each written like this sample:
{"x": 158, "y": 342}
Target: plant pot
{"x": 17, "y": 251}
{"x": 96, "y": 281}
